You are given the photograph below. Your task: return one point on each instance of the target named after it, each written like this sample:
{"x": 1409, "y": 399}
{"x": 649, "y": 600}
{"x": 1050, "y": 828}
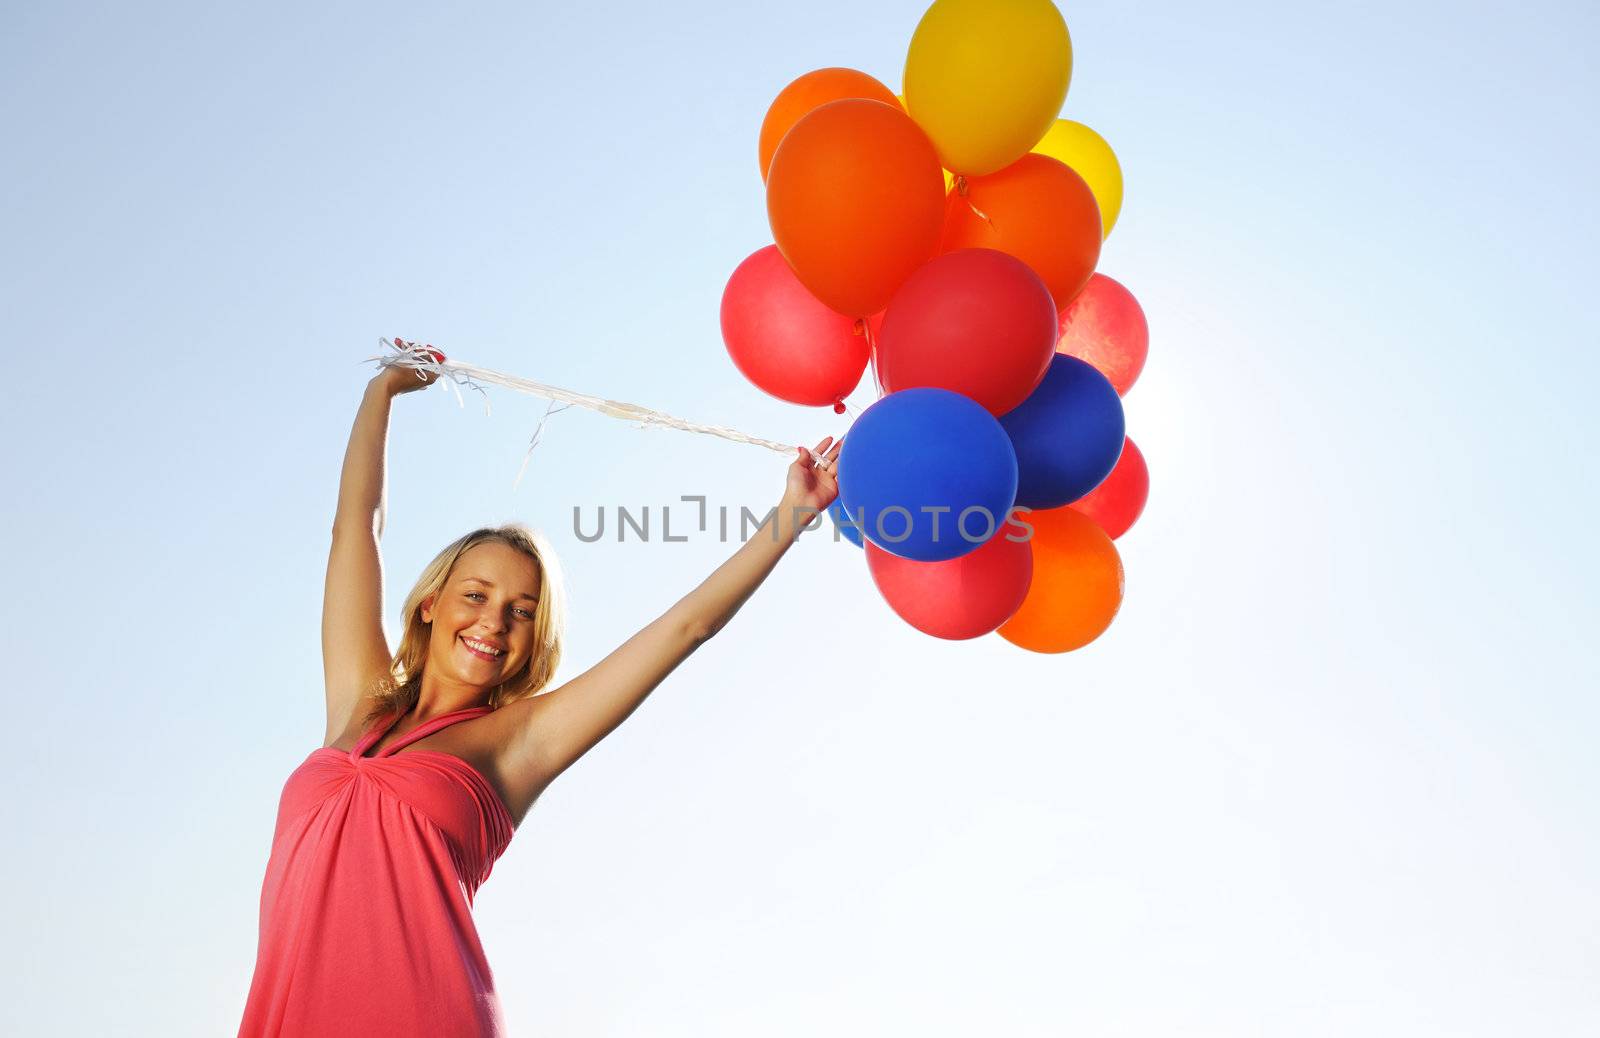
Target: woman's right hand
{"x": 395, "y": 379}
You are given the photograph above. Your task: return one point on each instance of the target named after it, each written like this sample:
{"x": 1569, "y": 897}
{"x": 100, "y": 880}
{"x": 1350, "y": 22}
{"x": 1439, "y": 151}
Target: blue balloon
{"x": 930, "y": 473}
{"x": 1068, "y": 434}
{"x": 836, "y": 512}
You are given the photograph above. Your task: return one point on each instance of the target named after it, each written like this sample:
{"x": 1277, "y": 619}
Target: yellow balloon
{"x": 1075, "y": 145}
{"x": 986, "y": 78}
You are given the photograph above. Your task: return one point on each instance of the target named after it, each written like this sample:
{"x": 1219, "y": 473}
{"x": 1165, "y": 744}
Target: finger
{"x": 822, "y": 445}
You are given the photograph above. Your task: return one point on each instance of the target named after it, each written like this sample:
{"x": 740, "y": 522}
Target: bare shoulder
{"x": 355, "y": 724}
{"x": 504, "y": 739}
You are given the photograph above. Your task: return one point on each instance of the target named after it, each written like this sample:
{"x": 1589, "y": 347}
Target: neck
{"x": 438, "y": 697}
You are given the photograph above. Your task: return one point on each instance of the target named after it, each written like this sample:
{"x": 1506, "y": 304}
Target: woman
{"x": 436, "y": 752}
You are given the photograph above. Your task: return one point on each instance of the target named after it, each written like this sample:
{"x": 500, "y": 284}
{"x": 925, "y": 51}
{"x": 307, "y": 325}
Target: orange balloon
{"x": 810, "y": 91}
{"x": 1039, "y": 211}
{"x": 1077, "y": 583}
{"x": 855, "y": 199}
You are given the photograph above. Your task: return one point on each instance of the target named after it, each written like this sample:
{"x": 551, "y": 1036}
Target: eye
{"x": 525, "y": 613}
{"x": 472, "y": 593}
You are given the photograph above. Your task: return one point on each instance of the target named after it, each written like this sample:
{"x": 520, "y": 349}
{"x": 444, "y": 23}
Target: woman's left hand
{"x": 813, "y": 479}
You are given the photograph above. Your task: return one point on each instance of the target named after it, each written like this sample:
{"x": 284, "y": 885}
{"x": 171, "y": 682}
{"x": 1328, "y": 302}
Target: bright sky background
{"x": 1331, "y": 772}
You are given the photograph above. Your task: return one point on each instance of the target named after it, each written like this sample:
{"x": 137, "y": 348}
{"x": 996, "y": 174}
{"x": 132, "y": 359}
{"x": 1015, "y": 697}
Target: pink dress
{"x": 366, "y": 911}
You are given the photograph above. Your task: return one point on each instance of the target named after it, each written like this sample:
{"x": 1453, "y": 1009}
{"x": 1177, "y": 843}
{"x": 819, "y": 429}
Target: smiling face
{"x": 483, "y": 617}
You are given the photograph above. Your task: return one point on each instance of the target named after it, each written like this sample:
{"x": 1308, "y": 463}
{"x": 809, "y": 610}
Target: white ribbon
{"x": 415, "y": 355}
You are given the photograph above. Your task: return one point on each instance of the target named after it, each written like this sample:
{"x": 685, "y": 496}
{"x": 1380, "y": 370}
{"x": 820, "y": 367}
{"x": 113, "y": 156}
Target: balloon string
{"x": 533, "y": 442}
{"x": 872, "y": 353}
{"x": 961, "y": 189}
{"x": 414, "y": 355}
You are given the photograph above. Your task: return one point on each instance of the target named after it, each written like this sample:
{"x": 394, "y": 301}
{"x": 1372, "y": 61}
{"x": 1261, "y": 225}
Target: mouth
{"x": 482, "y": 650}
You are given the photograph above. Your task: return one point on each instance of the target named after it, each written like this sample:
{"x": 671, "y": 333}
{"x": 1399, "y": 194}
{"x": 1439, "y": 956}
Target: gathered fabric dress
{"x": 366, "y": 910}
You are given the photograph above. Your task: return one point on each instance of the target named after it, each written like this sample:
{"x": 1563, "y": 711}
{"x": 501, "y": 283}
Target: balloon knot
{"x": 838, "y": 407}
{"x": 961, "y": 185}
{"x": 860, "y": 327}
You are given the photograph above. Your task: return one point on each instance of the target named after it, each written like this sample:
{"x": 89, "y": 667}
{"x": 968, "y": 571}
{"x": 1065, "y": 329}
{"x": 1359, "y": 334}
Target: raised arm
{"x": 355, "y": 653}
{"x": 544, "y": 735}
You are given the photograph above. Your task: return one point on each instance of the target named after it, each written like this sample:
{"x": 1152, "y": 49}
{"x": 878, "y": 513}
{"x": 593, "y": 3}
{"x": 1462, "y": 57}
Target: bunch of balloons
{"x": 949, "y": 238}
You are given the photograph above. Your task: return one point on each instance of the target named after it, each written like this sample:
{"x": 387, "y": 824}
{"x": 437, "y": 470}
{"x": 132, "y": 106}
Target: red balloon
{"x": 975, "y": 321}
{"x": 1117, "y": 502}
{"x": 1105, "y": 326}
{"x": 958, "y": 598}
{"x": 786, "y": 341}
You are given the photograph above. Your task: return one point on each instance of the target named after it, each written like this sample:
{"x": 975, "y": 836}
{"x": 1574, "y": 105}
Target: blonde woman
{"x": 436, "y": 751}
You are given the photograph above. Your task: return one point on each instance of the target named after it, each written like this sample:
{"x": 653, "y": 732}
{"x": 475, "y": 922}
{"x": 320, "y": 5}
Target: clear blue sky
{"x": 1331, "y": 772}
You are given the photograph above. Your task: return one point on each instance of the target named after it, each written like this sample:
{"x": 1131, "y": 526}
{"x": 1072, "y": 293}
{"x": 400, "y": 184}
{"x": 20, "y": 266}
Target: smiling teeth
{"x": 491, "y": 650}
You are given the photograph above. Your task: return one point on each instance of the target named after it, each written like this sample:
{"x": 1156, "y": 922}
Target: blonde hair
{"x": 404, "y": 684}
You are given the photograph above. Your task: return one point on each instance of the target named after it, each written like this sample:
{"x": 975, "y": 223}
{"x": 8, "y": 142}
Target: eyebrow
{"x": 490, "y": 583}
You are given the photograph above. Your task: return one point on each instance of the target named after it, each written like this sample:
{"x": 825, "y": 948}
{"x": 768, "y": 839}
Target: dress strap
{"x": 421, "y": 731}
{"x": 378, "y": 730}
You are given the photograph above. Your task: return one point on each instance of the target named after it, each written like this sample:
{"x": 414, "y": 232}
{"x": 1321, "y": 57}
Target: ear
{"x": 427, "y": 609}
